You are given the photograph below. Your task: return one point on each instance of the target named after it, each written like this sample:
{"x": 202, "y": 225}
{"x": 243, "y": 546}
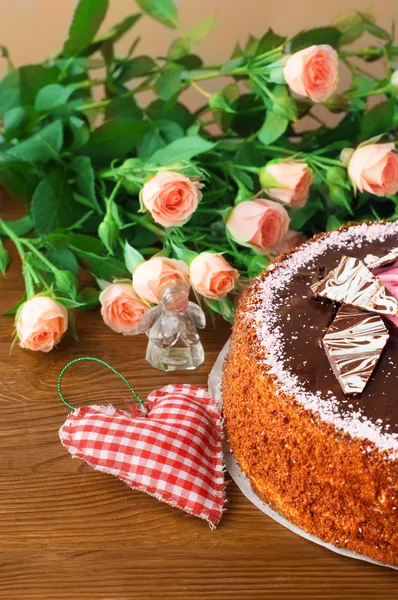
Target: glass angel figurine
{"x": 174, "y": 342}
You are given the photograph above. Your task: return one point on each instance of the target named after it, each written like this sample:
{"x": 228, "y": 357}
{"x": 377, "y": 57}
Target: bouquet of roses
{"x": 139, "y": 193}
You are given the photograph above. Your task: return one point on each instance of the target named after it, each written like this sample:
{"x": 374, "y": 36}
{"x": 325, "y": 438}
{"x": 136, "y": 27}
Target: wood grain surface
{"x": 69, "y": 532}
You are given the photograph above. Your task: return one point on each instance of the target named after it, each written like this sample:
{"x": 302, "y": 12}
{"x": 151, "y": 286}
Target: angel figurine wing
{"x": 196, "y": 314}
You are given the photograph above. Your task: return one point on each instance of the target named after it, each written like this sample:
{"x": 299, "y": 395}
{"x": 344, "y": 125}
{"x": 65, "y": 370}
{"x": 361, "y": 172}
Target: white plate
{"x": 244, "y": 485}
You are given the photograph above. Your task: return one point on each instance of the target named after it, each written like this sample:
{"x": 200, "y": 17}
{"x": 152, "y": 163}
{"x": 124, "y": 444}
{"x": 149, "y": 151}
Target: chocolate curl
{"x": 353, "y": 344}
{"x": 374, "y": 262}
{"x": 351, "y": 282}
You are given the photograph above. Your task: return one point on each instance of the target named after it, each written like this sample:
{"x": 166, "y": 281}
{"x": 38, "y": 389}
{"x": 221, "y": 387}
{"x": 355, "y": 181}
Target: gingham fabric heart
{"x": 174, "y": 452}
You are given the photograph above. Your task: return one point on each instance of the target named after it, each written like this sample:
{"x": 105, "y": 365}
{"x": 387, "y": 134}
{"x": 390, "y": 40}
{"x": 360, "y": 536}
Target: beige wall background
{"x": 34, "y": 29}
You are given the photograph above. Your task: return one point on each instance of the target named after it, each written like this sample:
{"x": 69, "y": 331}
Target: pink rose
{"x": 313, "y": 72}
{"x": 374, "y": 168}
{"x": 389, "y": 278}
{"x": 258, "y": 223}
{"x": 211, "y": 275}
{"x": 40, "y": 323}
{"x": 294, "y": 179}
{"x": 290, "y": 240}
{"x": 121, "y": 308}
{"x": 171, "y": 198}
{"x": 152, "y": 274}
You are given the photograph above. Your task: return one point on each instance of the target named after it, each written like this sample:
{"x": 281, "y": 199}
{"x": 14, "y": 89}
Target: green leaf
{"x": 88, "y": 298}
{"x": 269, "y": 41}
{"x": 342, "y": 197}
{"x": 182, "y": 149}
{"x": 248, "y": 154}
{"x": 161, "y": 134}
{"x": 224, "y": 307}
{"x": 103, "y": 267}
{"x": 274, "y": 126}
{"x": 183, "y": 253}
{"x": 15, "y": 121}
{"x": 62, "y": 258}
{"x": 52, "y": 97}
{"x": 52, "y": 204}
{"x": 250, "y": 114}
{"x": 85, "y": 180}
{"x": 5, "y": 259}
{"x": 374, "y": 29}
{"x": 86, "y": 21}
{"x": 86, "y": 243}
{"x": 231, "y": 65}
{"x": 257, "y": 264}
{"x": 301, "y": 216}
{"x": 65, "y": 283}
{"x": 33, "y": 78}
{"x": 114, "y": 34}
{"x": 169, "y": 82}
{"x": 251, "y": 46}
{"x": 80, "y": 132}
{"x": 160, "y": 110}
{"x": 179, "y": 47}
{"x": 319, "y": 35}
{"x": 123, "y": 107}
{"x": 224, "y": 99}
{"x": 41, "y": 147}
{"x": 19, "y": 182}
{"x": 191, "y": 62}
{"x": 136, "y": 67}
{"x": 202, "y": 30}
{"x": 132, "y": 257}
{"x": 20, "y": 86}
{"x": 163, "y": 11}
{"x": 333, "y": 223}
{"x": 285, "y": 107}
{"x": 20, "y": 226}
{"x": 114, "y": 139}
{"x": 275, "y": 72}
{"x": 10, "y": 93}
{"x": 379, "y": 119}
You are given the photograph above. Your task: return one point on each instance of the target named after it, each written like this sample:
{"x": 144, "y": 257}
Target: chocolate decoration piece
{"x": 352, "y": 283}
{"x": 302, "y": 322}
{"x": 353, "y": 344}
{"x": 374, "y": 262}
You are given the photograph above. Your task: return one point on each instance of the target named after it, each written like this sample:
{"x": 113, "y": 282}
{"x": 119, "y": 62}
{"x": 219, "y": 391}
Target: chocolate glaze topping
{"x": 303, "y": 320}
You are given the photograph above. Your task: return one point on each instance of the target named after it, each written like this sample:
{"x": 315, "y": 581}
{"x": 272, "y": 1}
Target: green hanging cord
{"x": 102, "y": 362}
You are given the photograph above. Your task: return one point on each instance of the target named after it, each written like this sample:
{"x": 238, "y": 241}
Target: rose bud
{"x": 40, "y": 323}
{"x": 121, "y": 309}
{"x": 289, "y": 182}
{"x": 211, "y": 275}
{"x": 373, "y": 168}
{"x": 171, "y": 198}
{"x": 108, "y": 232}
{"x": 150, "y": 275}
{"x": 313, "y": 72}
{"x": 259, "y": 224}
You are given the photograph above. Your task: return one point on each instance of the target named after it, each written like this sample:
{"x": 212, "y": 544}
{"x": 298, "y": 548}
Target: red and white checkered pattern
{"x": 174, "y": 452}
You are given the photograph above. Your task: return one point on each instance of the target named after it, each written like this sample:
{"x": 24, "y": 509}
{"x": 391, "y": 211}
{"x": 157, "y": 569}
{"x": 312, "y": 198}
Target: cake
{"x": 325, "y": 459}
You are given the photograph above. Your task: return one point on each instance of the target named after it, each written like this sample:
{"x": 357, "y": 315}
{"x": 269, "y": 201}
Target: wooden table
{"x": 69, "y": 532}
